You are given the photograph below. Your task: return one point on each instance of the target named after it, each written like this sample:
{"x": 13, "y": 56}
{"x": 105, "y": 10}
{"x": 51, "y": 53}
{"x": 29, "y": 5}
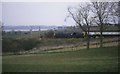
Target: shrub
{"x": 49, "y": 34}
{"x": 16, "y": 45}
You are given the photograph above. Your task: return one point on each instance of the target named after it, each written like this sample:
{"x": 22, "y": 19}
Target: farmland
{"x": 93, "y": 60}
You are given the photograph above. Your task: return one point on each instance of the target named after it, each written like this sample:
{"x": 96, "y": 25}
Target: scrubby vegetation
{"x": 16, "y": 45}
{"x": 49, "y": 34}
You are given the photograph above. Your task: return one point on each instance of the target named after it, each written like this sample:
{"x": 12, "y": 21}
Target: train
{"x": 68, "y": 35}
{"x": 82, "y": 34}
{"x": 104, "y": 34}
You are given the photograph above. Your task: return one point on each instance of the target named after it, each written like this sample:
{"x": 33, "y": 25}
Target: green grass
{"x": 93, "y": 60}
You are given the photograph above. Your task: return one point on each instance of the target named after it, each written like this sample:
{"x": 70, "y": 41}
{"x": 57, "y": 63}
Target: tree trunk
{"x": 101, "y": 36}
{"x": 88, "y": 39}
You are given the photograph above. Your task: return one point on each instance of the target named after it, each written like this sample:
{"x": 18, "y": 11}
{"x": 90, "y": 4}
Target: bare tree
{"x": 115, "y": 13}
{"x": 81, "y": 16}
{"x": 102, "y": 14}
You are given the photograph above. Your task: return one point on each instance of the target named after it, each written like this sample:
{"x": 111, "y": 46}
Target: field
{"x": 60, "y": 55}
{"x": 92, "y": 60}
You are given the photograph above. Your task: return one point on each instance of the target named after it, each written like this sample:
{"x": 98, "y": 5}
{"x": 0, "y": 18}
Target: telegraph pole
{"x": 31, "y": 31}
{"x": 39, "y": 33}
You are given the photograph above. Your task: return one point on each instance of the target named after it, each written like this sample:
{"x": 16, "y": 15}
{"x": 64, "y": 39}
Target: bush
{"x": 16, "y": 45}
{"x": 49, "y": 34}
{"x": 28, "y": 44}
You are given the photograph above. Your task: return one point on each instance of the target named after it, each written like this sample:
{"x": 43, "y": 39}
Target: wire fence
{"x": 106, "y": 43}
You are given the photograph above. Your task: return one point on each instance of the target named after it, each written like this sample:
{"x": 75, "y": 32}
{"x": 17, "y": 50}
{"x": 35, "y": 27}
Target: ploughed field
{"x": 92, "y": 60}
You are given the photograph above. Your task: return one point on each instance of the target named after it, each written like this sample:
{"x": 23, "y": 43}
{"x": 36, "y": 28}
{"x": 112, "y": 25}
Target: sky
{"x": 36, "y": 13}
{"x": 0, "y": 11}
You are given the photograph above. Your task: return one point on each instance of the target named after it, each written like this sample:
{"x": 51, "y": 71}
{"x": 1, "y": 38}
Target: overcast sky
{"x": 0, "y": 11}
{"x": 36, "y": 13}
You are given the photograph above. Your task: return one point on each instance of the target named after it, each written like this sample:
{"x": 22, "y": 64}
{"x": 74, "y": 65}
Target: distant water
{"x": 28, "y": 28}
{"x": 8, "y": 30}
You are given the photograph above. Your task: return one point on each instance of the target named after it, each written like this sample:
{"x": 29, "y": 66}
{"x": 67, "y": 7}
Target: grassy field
{"x": 93, "y": 60}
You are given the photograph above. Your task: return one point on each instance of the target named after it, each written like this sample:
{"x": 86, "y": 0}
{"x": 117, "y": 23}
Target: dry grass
{"x": 107, "y": 42}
